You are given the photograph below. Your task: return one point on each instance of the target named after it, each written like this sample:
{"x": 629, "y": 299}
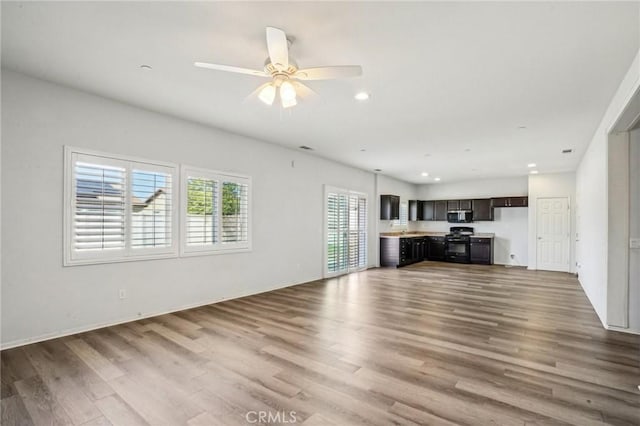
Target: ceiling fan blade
{"x": 278, "y": 48}
{"x": 329, "y": 73}
{"x": 303, "y": 90}
{"x": 229, "y": 68}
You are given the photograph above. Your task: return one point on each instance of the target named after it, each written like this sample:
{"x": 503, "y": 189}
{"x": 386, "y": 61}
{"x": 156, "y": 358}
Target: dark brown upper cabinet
{"x": 389, "y": 207}
{"x": 421, "y": 210}
{"x": 453, "y": 205}
{"x": 519, "y": 202}
{"x": 428, "y": 210}
{"x": 440, "y": 210}
{"x": 510, "y": 202}
{"x": 465, "y": 204}
{"x": 482, "y": 209}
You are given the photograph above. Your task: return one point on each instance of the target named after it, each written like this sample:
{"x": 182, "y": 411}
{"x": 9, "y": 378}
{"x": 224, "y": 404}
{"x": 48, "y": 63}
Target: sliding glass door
{"x": 345, "y": 231}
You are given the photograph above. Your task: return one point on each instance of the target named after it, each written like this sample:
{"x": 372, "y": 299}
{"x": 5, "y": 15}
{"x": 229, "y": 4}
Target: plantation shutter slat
{"x": 100, "y": 205}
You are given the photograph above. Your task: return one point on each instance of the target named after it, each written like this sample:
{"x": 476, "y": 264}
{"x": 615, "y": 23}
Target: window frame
{"x": 220, "y": 177}
{"x": 128, "y": 253}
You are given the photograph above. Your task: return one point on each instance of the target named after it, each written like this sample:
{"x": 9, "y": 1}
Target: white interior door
{"x": 552, "y": 225}
{"x": 345, "y": 231}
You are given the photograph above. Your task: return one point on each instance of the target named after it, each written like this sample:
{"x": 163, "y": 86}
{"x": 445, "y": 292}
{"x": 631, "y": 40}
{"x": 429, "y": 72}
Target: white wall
{"x": 592, "y": 199}
{"x": 41, "y": 298}
{"x": 482, "y": 188}
{"x": 552, "y": 185}
{"x": 634, "y": 230}
{"x": 510, "y": 224}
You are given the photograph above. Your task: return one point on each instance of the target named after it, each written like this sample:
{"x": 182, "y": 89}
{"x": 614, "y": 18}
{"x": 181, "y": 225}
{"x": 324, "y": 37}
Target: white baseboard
{"x": 623, "y": 330}
{"x": 84, "y": 329}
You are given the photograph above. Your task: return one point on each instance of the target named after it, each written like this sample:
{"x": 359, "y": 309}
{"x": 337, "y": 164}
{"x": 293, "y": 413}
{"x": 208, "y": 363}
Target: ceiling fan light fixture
{"x": 268, "y": 94}
{"x": 287, "y": 92}
{"x": 288, "y": 103}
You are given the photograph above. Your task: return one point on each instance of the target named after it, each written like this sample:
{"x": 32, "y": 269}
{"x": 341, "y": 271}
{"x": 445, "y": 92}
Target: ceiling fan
{"x": 284, "y": 72}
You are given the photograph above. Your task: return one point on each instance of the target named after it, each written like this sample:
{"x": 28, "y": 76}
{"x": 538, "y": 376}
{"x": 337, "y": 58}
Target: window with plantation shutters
{"x": 151, "y": 209}
{"x": 235, "y": 218}
{"x": 215, "y": 213}
{"x": 117, "y": 209}
{"x": 202, "y": 215}
{"x": 99, "y": 206}
{"x": 346, "y": 231}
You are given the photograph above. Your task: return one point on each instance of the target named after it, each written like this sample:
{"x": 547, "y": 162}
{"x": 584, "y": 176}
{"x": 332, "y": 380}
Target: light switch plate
{"x": 634, "y": 243}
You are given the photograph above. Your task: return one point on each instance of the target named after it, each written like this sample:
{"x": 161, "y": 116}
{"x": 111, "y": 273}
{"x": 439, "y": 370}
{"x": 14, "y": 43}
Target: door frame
{"x": 569, "y": 233}
{"x": 325, "y": 230}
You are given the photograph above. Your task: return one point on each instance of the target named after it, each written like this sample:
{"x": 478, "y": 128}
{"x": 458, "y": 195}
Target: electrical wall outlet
{"x": 634, "y": 243}
{"x": 122, "y": 293}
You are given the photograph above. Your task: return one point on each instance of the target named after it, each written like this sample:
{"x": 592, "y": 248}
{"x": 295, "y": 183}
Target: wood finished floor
{"x": 432, "y": 343}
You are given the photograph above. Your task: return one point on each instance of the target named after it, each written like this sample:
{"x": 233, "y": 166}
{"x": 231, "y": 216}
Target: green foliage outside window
{"x": 200, "y": 197}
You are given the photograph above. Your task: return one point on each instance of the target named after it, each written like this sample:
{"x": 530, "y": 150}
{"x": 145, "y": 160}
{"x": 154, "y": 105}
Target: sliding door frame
{"x": 325, "y": 240}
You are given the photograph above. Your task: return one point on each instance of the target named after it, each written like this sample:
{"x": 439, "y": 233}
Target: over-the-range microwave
{"x": 460, "y": 216}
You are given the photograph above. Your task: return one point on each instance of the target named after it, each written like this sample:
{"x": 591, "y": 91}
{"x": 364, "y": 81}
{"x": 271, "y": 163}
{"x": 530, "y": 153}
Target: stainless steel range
{"x": 457, "y": 248}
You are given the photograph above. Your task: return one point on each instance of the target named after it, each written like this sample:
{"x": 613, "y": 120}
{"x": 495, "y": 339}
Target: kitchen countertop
{"x": 430, "y": 234}
{"x": 411, "y": 234}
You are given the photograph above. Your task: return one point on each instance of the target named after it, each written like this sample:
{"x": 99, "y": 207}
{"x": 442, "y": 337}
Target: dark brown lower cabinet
{"x": 407, "y": 250}
{"x": 435, "y": 248}
{"x": 402, "y": 251}
{"x": 481, "y": 250}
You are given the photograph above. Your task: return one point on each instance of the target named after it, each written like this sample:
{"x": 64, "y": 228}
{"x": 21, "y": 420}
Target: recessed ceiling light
{"x": 362, "y": 150}
{"x": 437, "y": 179}
{"x": 362, "y": 96}
{"x": 467, "y": 149}
{"x": 567, "y": 151}
{"x": 534, "y": 172}
{"x": 146, "y": 67}
{"x": 531, "y": 165}
{"x": 425, "y": 174}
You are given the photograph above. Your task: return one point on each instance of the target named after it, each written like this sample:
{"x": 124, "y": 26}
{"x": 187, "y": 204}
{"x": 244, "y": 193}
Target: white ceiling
{"x": 444, "y": 78}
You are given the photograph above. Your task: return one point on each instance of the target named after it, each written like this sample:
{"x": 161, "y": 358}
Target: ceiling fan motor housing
{"x": 271, "y": 69}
